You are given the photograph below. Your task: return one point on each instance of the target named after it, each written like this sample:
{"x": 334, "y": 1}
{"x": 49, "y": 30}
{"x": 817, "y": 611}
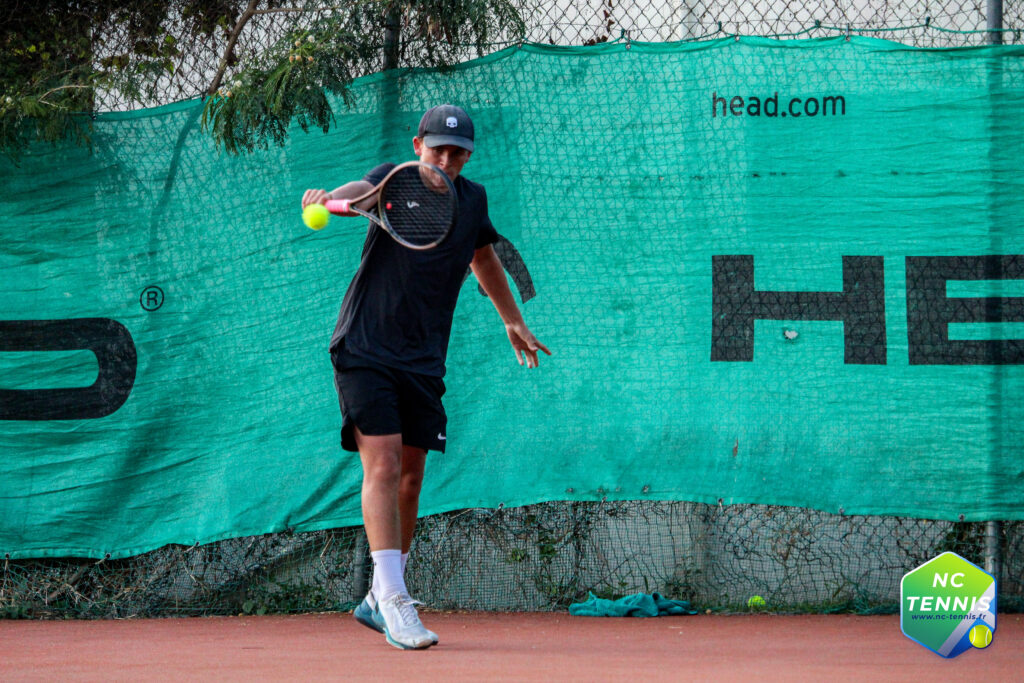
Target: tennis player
{"x": 389, "y": 350}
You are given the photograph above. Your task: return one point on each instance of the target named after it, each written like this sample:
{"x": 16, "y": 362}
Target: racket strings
{"x": 418, "y": 204}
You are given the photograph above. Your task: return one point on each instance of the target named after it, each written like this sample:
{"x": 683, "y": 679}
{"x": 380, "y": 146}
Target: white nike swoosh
{"x": 441, "y": 437}
{"x": 411, "y": 205}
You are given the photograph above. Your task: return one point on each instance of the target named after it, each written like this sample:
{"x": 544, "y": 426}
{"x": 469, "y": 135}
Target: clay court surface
{"x": 498, "y": 647}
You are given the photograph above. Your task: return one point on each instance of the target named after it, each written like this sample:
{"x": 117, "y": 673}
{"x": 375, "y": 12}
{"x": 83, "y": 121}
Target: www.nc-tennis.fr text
{"x": 795, "y": 107}
{"x": 948, "y": 617}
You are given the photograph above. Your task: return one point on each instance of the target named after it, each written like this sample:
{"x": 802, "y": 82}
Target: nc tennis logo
{"x": 948, "y": 605}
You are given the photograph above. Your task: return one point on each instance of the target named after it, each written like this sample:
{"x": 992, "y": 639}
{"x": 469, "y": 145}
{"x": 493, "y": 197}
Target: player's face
{"x": 448, "y": 158}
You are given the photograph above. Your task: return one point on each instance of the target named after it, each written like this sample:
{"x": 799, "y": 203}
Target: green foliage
{"x": 44, "y": 80}
{"x": 61, "y": 59}
{"x": 279, "y": 598}
{"x": 683, "y": 586}
{"x": 258, "y": 104}
{"x": 516, "y": 555}
{"x": 966, "y": 539}
{"x": 610, "y": 592}
{"x": 290, "y": 81}
{"x": 58, "y": 58}
{"x": 438, "y": 30}
{"x": 16, "y": 611}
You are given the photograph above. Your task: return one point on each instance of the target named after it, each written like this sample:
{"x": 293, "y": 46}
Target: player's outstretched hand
{"x": 525, "y": 344}
{"x": 313, "y": 197}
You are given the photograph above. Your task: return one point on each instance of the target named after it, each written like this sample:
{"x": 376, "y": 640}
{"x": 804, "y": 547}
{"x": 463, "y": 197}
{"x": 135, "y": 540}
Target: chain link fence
{"x": 956, "y": 23}
{"x": 922, "y": 24}
{"x": 536, "y": 557}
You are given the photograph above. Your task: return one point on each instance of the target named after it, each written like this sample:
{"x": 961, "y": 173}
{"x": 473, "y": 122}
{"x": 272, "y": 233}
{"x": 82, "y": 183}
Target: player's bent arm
{"x": 354, "y": 189}
{"x": 491, "y": 275}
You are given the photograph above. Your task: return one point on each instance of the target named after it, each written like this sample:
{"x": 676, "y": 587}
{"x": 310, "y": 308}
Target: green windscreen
{"x": 770, "y": 272}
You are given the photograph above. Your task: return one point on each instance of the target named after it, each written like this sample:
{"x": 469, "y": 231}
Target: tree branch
{"x": 250, "y": 11}
{"x": 62, "y": 87}
{"x": 272, "y": 10}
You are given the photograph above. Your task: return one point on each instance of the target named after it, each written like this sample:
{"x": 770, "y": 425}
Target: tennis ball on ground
{"x": 755, "y": 602}
{"x": 315, "y": 216}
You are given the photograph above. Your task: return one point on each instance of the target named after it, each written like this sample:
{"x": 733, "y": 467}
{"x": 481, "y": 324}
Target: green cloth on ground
{"x": 638, "y": 605}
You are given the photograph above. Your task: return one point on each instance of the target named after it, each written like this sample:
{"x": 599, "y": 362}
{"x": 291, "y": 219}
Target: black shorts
{"x": 384, "y": 400}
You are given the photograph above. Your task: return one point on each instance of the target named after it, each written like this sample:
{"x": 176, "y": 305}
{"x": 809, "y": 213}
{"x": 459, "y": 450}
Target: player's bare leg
{"x": 413, "y": 462}
{"x": 382, "y": 470}
{"x": 395, "y": 611}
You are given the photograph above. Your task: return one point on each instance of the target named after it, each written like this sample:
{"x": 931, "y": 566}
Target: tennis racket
{"x": 416, "y": 205}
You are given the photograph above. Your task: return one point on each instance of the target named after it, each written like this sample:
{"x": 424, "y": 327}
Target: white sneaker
{"x": 402, "y": 625}
{"x": 367, "y": 615}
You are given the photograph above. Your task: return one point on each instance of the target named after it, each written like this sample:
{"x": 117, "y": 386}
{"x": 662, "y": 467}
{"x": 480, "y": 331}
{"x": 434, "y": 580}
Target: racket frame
{"x": 348, "y": 206}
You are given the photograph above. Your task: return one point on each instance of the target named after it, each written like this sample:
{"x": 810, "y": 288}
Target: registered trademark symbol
{"x": 152, "y": 298}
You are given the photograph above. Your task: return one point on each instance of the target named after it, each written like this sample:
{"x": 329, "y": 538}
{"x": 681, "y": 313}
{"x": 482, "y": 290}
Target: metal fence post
{"x": 993, "y": 549}
{"x": 363, "y": 566}
{"x": 391, "y": 29}
{"x": 994, "y": 19}
{"x": 993, "y": 529}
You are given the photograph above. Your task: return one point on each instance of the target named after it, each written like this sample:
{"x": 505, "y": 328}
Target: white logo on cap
{"x": 452, "y": 122}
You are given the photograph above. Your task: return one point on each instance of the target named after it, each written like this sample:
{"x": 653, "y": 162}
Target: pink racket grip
{"x": 338, "y": 206}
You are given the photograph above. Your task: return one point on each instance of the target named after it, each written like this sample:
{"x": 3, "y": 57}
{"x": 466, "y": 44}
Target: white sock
{"x": 375, "y": 587}
{"x": 371, "y": 597}
{"x": 387, "y": 573}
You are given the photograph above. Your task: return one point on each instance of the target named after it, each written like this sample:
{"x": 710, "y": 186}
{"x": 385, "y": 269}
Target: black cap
{"x": 446, "y": 124}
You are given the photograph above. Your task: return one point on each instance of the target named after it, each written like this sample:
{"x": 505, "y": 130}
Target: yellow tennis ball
{"x": 755, "y": 601}
{"x": 315, "y": 216}
{"x": 980, "y": 636}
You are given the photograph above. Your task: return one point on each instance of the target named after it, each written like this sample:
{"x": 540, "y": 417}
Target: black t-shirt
{"x": 398, "y": 309}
